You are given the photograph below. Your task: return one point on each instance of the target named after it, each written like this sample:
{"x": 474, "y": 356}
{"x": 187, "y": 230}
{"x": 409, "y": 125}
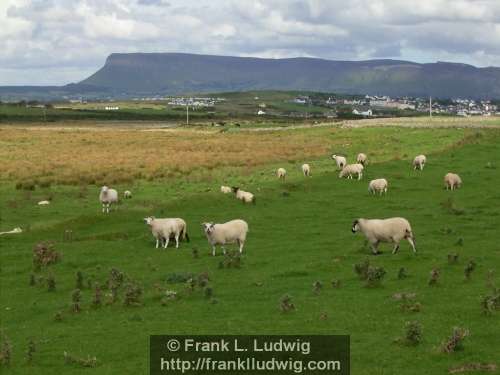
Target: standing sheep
{"x": 306, "y": 170}
{"x": 419, "y": 162}
{"x": 225, "y": 189}
{"x": 340, "y": 160}
{"x": 386, "y": 230}
{"x": 164, "y": 229}
{"x": 362, "y": 158}
{"x": 351, "y": 169}
{"x": 234, "y": 231}
{"x": 281, "y": 173}
{"x": 107, "y": 196}
{"x": 452, "y": 181}
{"x": 127, "y": 194}
{"x": 379, "y": 185}
{"x": 244, "y": 196}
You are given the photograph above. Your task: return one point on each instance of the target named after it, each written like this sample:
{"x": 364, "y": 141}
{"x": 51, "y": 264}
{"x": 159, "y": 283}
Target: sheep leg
{"x": 240, "y": 244}
{"x": 360, "y": 175}
{"x": 167, "y": 239}
{"x": 213, "y": 250}
{"x": 412, "y": 244}
{"x": 103, "y": 208}
{"x": 223, "y": 250}
{"x": 157, "y": 242}
{"x": 374, "y": 248}
{"x": 177, "y": 241}
{"x": 396, "y": 248}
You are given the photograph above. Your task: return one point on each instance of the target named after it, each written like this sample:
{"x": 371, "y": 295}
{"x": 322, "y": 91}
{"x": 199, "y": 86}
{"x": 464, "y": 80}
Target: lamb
{"x": 164, "y": 229}
{"x": 244, "y": 196}
{"x": 419, "y": 162}
{"x": 13, "y": 231}
{"x": 340, "y": 160}
{"x": 44, "y": 203}
{"x": 362, "y": 158}
{"x": 306, "y": 170}
{"x": 281, "y": 173}
{"x": 225, "y": 189}
{"x": 107, "y": 197}
{"x": 452, "y": 181}
{"x": 127, "y": 194}
{"x": 234, "y": 231}
{"x": 386, "y": 230}
{"x": 351, "y": 169}
{"x": 379, "y": 185}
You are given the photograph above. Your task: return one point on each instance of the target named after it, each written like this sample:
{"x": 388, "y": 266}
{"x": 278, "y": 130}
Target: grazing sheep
{"x": 419, "y": 162}
{"x": 379, "y": 185}
{"x": 234, "y": 231}
{"x": 281, "y": 173}
{"x": 43, "y": 203}
{"x": 106, "y": 197}
{"x": 340, "y": 160}
{"x": 362, "y": 158}
{"x": 225, "y": 189}
{"x": 452, "y": 181}
{"x": 386, "y": 230}
{"x": 306, "y": 170}
{"x": 244, "y": 196}
{"x": 127, "y": 194}
{"x": 164, "y": 229}
{"x": 351, "y": 169}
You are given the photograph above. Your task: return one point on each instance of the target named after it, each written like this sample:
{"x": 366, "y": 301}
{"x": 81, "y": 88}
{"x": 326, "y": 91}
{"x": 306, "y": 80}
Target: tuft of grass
{"x": 469, "y": 268}
{"x": 455, "y": 341}
{"x": 71, "y": 359}
{"x": 434, "y": 276}
{"x": 286, "y": 304}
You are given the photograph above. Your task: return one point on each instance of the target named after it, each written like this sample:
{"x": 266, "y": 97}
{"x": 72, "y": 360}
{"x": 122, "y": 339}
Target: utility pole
{"x": 430, "y": 106}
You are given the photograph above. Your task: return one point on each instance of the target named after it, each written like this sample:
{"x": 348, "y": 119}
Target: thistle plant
{"x": 452, "y": 258}
{"x": 76, "y": 297}
{"x": 413, "y": 333}
{"x": 434, "y": 276}
{"x": 286, "y": 304}
{"x": 361, "y": 269}
{"x": 317, "y": 286}
{"x": 133, "y": 293}
{"x": 374, "y": 276}
{"x": 51, "y": 283}
{"x": 469, "y": 268}
{"x": 455, "y": 341}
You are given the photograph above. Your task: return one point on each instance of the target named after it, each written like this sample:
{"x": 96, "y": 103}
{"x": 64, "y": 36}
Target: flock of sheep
{"x": 392, "y": 230}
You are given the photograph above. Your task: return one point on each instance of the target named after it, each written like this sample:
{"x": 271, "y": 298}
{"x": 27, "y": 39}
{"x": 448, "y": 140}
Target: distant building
{"x": 261, "y": 112}
{"x": 367, "y": 113}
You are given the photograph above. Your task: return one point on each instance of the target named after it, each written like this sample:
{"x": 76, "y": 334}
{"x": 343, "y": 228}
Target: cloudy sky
{"x": 53, "y": 42}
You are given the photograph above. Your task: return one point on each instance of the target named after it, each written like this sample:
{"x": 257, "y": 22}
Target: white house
{"x": 261, "y": 112}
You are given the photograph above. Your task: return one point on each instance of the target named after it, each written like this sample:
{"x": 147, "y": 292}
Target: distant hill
{"x": 177, "y": 73}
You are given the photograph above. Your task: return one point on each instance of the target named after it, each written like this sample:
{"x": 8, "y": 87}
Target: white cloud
{"x": 64, "y": 40}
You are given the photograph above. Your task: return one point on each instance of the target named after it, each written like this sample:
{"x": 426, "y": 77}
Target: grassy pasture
{"x": 299, "y": 234}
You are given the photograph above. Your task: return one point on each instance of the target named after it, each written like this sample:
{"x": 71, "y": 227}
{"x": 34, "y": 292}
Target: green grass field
{"x": 300, "y": 233}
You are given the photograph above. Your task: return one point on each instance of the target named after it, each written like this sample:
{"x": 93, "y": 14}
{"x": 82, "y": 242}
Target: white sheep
{"x": 244, "y": 196}
{"x": 281, "y": 173}
{"x": 43, "y": 203}
{"x": 225, "y": 189}
{"x": 164, "y": 229}
{"x": 379, "y": 185}
{"x": 340, "y": 160}
{"x": 234, "y": 231}
{"x": 452, "y": 181}
{"x": 362, "y": 158}
{"x": 419, "y": 162}
{"x": 306, "y": 170}
{"x": 386, "y": 230}
{"x": 352, "y": 169}
{"x": 107, "y": 197}
{"x": 127, "y": 194}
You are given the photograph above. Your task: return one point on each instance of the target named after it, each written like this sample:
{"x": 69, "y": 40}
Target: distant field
{"x": 300, "y": 234}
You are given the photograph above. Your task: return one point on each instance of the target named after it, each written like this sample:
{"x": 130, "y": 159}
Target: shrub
{"x": 58, "y": 316}
{"x": 455, "y": 341}
{"x": 361, "y": 269}
{"x": 30, "y": 351}
{"x": 402, "y": 273}
{"x": 434, "y": 276}
{"x": 5, "y": 352}
{"x": 44, "y": 254}
{"x": 452, "y": 258}
{"x": 374, "y": 276}
{"x": 471, "y": 266}
{"x": 51, "y": 283}
{"x": 286, "y": 304}
{"x": 491, "y": 303}
{"x": 412, "y": 334}
{"x": 83, "y": 362}
{"x": 76, "y": 297}
{"x": 336, "y": 283}
{"x": 317, "y": 286}
{"x": 133, "y": 293}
